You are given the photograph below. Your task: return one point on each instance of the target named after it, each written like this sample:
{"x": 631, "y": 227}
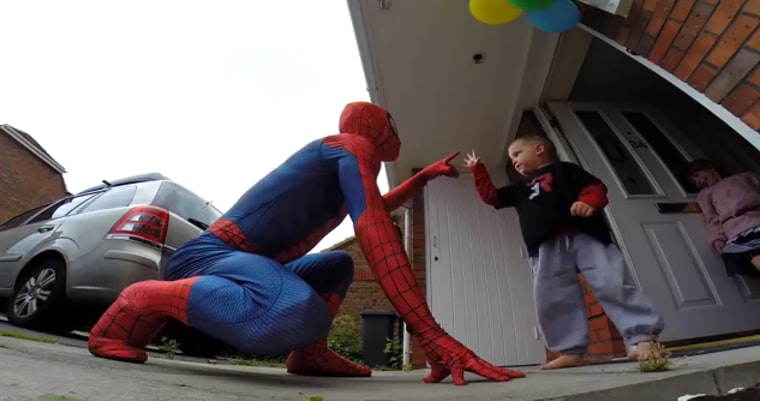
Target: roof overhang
{"x": 419, "y": 59}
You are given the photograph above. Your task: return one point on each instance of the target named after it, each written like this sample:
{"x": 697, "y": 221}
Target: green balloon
{"x": 531, "y": 4}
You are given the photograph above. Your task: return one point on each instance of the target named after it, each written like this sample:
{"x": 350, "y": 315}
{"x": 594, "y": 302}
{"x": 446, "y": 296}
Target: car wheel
{"x": 39, "y": 297}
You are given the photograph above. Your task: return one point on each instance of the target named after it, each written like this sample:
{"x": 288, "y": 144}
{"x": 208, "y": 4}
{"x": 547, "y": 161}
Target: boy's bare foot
{"x": 564, "y": 361}
{"x": 643, "y": 352}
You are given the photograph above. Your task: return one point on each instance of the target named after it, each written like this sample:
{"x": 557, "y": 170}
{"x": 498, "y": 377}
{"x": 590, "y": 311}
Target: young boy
{"x": 731, "y": 210}
{"x": 559, "y": 205}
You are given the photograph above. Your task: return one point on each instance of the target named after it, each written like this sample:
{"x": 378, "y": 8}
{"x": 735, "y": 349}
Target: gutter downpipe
{"x": 407, "y": 338}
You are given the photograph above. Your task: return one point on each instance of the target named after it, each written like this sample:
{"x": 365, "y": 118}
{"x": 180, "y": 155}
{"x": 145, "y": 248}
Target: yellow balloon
{"x": 494, "y": 12}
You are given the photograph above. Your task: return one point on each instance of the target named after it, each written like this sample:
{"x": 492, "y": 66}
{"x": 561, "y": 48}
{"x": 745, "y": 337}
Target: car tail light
{"x": 145, "y": 222}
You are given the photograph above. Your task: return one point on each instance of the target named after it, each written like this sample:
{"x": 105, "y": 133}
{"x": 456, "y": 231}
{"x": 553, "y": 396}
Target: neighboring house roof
{"x": 33, "y": 146}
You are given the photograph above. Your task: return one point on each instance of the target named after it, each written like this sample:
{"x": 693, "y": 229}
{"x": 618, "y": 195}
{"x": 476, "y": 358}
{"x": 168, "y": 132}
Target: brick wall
{"x": 25, "y": 180}
{"x": 713, "y": 45}
{"x": 364, "y": 293}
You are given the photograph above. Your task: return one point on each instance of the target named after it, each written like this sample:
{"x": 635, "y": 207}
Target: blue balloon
{"x": 560, "y": 16}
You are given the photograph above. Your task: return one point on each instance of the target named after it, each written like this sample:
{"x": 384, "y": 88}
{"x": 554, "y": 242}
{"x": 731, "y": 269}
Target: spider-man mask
{"x": 374, "y": 123}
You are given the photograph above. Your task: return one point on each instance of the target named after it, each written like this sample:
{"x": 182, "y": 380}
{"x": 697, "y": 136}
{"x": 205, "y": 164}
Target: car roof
{"x": 134, "y": 179}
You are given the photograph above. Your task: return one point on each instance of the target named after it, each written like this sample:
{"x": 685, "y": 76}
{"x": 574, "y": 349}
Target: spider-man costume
{"x": 248, "y": 281}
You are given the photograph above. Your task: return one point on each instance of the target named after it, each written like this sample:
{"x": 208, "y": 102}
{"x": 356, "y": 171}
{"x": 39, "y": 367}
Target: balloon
{"x": 531, "y": 4}
{"x": 494, "y": 12}
{"x": 560, "y": 16}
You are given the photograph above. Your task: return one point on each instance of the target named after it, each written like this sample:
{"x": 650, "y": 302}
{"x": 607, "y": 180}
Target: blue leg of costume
{"x": 265, "y": 308}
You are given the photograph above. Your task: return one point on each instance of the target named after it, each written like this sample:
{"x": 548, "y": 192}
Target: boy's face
{"x": 704, "y": 178}
{"x": 527, "y": 156}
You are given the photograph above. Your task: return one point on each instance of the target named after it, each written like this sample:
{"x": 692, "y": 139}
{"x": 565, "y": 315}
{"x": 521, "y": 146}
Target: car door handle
{"x": 45, "y": 229}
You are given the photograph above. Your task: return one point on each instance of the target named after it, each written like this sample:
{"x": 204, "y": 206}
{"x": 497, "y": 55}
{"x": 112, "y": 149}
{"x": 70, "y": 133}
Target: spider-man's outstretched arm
{"x": 402, "y": 193}
{"x": 357, "y": 170}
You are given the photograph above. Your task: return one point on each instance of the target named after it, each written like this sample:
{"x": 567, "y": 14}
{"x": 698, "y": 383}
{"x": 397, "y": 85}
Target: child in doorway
{"x": 559, "y": 205}
{"x": 731, "y": 210}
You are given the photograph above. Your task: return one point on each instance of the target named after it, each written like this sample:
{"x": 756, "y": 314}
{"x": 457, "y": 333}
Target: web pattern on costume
{"x": 138, "y": 315}
{"x": 382, "y": 247}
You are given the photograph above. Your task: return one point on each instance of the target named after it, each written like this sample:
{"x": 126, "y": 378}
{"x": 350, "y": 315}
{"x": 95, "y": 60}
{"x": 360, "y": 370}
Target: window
{"x": 14, "y": 222}
{"x": 674, "y": 160}
{"x": 186, "y": 204}
{"x": 115, "y": 197}
{"x": 623, "y": 163}
{"x": 62, "y": 208}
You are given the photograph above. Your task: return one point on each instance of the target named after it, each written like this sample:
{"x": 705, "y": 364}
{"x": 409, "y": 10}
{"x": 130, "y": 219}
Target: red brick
{"x": 740, "y": 100}
{"x": 650, "y": 5}
{"x": 754, "y": 77}
{"x": 752, "y": 7}
{"x": 694, "y": 56}
{"x": 723, "y": 15}
{"x": 682, "y": 9}
{"x": 752, "y": 117}
{"x": 604, "y": 334}
{"x": 600, "y": 349}
{"x": 663, "y": 42}
{"x": 659, "y": 16}
{"x": 754, "y": 41}
{"x": 732, "y": 74}
{"x": 598, "y": 323}
{"x": 730, "y": 42}
{"x": 671, "y": 59}
{"x": 697, "y": 19}
{"x": 595, "y": 310}
{"x": 702, "y": 77}
{"x": 638, "y": 23}
{"x": 622, "y": 34}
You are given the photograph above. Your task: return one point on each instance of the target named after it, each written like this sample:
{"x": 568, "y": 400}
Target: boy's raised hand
{"x": 471, "y": 160}
{"x": 581, "y": 209}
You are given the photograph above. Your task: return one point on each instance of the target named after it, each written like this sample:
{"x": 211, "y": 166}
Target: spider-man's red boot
{"x": 319, "y": 360}
{"x": 137, "y": 316}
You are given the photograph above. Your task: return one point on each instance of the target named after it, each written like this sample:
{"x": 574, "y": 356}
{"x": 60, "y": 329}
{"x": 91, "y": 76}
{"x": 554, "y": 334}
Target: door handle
{"x": 45, "y": 229}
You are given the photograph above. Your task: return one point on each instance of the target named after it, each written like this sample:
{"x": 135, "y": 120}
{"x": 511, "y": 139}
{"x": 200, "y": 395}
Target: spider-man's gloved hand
{"x": 441, "y": 167}
{"x": 448, "y": 356}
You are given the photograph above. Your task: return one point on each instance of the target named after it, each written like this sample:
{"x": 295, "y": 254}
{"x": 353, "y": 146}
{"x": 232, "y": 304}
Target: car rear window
{"x": 115, "y": 197}
{"x": 16, "y": 221}
{"x": 186, "y": 204}
{"x": 62, "y": 208}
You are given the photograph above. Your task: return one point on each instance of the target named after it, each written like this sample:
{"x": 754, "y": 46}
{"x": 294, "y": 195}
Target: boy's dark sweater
{"x": 543, "y": 200}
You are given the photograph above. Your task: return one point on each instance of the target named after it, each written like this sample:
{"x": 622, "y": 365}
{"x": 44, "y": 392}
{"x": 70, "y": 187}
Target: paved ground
{"x": 31, "y": 369}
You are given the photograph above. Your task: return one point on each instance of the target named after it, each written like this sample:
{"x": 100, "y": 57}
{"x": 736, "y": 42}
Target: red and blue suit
{"x": 248, "y": 281}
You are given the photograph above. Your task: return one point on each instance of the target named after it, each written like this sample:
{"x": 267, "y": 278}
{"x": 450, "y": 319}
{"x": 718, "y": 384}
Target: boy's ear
{"x": 539, "y": 149}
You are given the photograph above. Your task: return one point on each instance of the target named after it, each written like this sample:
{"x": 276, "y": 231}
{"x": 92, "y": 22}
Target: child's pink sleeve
{"x": 711, "y": 219}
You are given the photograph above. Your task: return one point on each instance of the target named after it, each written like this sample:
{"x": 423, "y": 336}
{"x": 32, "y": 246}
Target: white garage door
{"x": 478, "y": 279}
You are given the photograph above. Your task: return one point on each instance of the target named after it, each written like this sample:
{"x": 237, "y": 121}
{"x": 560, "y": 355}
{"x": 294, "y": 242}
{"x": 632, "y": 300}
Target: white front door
{"x": 640, "y": 156}
{"x": 478, "y": 279}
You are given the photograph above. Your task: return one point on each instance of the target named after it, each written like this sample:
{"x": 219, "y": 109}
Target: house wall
{"x": 712, "y": 45}
{"x": 25, "y": 180}
{"x": 364, "y": 293}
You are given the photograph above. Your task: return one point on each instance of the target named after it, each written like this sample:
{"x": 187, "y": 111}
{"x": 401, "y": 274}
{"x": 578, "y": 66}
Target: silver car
{"x": 81, "y": 251}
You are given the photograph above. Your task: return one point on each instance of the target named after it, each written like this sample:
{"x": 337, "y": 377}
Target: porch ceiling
{"x": 418, "y": 60}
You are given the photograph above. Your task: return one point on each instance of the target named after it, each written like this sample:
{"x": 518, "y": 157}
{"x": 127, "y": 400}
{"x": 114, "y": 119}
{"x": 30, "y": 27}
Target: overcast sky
{"x": 212, "y": 94}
